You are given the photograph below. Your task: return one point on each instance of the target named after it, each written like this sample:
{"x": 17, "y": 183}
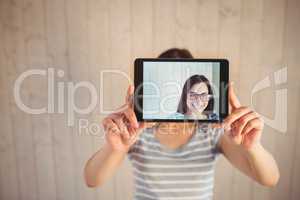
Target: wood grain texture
{"x": 43, "y": 158}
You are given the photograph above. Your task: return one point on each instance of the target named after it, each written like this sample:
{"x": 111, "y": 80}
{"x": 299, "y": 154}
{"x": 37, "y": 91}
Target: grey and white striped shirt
{"x": 185, "y": 173}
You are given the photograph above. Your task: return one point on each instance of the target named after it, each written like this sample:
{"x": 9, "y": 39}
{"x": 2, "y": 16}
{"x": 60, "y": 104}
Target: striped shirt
{"x": 185, "y": 173}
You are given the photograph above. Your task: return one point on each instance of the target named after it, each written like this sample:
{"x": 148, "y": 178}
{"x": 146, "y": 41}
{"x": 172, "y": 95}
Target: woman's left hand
{"x": 244, "y": 125}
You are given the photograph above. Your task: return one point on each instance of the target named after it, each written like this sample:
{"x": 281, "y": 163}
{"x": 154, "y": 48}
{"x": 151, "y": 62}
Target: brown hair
{"x": 176, "y": 53}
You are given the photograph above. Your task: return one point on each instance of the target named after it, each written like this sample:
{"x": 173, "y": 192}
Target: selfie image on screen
{"x": 181, "y": 90}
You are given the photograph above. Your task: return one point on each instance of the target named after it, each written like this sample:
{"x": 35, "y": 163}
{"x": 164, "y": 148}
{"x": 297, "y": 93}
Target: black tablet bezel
{"x": 138, "y": 88}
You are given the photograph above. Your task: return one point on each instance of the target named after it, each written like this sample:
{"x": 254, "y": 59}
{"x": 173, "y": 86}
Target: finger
{"x": 236, "y": 115}
{"x": 242, "y": 121}
{"x": 123, "y": 129}
{"x": 251, "y": 135}
{"x": 109, "y": 126}
{"x": 233, "y": 99}
{"x": 142, "y": 126}
{"x": 129, "y": 95}
{"x": 135, "y": 132}
{"x": 253, "y": 124}
{"x": 130, "y": 116}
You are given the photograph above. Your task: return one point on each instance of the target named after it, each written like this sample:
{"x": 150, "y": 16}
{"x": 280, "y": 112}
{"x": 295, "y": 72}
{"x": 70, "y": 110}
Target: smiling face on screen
{"x": 197, "y": 98}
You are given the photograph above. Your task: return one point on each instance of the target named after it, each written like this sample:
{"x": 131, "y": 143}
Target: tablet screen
{"x": 181, "y": 90}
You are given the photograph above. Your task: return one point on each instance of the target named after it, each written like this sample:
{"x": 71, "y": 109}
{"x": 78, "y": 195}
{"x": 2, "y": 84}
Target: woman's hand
{"x": 121, "y": 131}
{"x": 241, "y": 143}
{"x": 244, "y": 125}
{"x": 122, "y": 128}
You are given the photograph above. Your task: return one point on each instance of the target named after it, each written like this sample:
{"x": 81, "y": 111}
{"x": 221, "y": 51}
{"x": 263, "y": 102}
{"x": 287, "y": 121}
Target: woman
{"x": 197, "y": 100}
{"x": 176, "y": 160}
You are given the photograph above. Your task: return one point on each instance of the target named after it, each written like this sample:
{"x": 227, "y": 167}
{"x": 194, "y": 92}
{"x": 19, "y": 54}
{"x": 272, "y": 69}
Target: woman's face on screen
{"x": 197, "y": 98}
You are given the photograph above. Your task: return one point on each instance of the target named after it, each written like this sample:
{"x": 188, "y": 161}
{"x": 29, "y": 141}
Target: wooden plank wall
{"x": 43, "y": 158}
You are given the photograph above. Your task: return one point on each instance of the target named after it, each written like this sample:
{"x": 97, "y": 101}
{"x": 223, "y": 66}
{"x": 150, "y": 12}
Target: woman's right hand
{"x": 122, "y": 128}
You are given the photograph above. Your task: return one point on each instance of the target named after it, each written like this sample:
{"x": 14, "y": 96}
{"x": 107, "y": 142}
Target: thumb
{"x": 129, "y": 95}
{"x": 233, "y": 99}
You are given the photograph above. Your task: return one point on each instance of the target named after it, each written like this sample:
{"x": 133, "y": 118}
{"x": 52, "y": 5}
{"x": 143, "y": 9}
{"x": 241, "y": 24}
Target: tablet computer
{"x": 180, "y": 90}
